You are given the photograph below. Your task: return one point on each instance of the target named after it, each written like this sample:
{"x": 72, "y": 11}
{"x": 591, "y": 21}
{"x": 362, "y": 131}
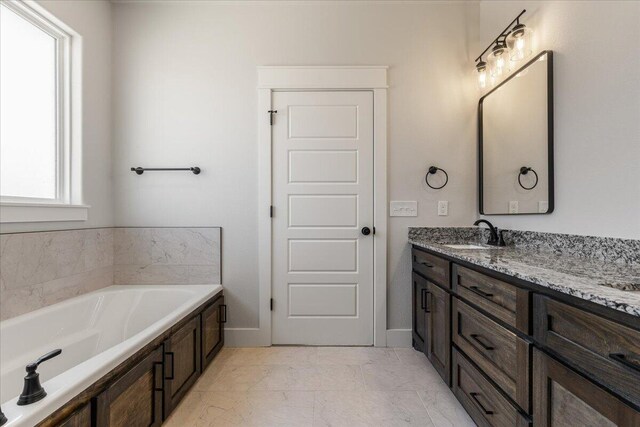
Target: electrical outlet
{"x": 513, "y": 206}
{"x": 443, "y": 208}
{"x": 403, "y": 208}
{"x": 543, "y": 206}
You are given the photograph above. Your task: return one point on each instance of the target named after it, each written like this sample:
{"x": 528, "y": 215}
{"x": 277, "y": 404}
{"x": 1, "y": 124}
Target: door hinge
{"x": 271, "y": 304}
{"x": 271, "y": 113}
{"x": 271, "y": 211}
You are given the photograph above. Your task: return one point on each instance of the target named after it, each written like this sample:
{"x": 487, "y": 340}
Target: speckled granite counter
{"x": 600, "y": 278}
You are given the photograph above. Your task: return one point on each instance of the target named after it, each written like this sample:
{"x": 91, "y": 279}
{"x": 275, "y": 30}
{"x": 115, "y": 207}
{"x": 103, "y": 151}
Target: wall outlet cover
{"x": 514, "y": 206}
{"x": 409, "y": 208}
{"x": 443, "y": 208}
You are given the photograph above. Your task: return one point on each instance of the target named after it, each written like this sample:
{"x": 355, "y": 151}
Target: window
{"x": 35, "y": 112}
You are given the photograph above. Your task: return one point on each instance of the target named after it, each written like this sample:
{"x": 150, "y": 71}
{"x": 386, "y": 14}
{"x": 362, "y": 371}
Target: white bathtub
{"x": 96, "y": 332}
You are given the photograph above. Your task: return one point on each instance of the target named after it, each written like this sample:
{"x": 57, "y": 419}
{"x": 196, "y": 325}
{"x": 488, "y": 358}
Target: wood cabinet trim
{"x": 511, "y": 368}
{"x": 101, "y": 384}
{"x": 436, "y": 330}
{"x": 584, "y": 341}
{"x": 548, "y": 369}
{"x": 174, "y": 391}
{"x": 104, "y": 400}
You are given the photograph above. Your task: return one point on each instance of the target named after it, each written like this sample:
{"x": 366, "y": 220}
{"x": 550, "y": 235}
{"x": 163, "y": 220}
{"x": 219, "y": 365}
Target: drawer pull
{"x": 474, "y": 396}
{"x": 477, "y": 339}
{"x": 172, "y": 376}
{"x": 480, "y": 292}
{"x": 422, "y": 299}
{"x": 426, "y": 301}
{"x": 426, "y": 264}
{"x": 621, "y": 358}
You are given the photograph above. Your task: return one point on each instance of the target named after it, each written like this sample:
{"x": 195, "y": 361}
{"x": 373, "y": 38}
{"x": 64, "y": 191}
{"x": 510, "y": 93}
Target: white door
{"x": 323, "y": 197}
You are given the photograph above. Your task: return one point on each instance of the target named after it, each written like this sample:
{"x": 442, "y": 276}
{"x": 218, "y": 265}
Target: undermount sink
{"x": 466, "y": 246}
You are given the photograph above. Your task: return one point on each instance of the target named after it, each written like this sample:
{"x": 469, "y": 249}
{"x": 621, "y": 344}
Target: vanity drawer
{"x": 484, "y": 403}
{"x": 501, "y": 354}
{"x": 605, "y": 350}
{"x": 432, "y": 267}
{"x": 500, "y": 299}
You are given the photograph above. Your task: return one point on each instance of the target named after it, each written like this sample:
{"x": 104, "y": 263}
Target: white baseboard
{"x": 253, "y": 337}
{"x": 398, "y": 337}
{"x": 244, "y": 337}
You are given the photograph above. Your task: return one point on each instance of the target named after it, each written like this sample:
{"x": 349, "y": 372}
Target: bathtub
{"x": 96, "y": 332}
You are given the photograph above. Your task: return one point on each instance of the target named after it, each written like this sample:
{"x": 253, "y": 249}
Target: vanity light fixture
{"x": 498, "y": 60}
{"x": 519, "y": 42}
{"x": 512, "y": 44}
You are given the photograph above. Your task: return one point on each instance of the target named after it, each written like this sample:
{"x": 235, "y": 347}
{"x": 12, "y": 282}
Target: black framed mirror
{"x": 515, "y": 142}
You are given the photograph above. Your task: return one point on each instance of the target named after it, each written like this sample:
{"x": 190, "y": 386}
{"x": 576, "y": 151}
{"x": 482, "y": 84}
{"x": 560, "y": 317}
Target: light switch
{"x": 403, "y": 208}
{"x": 443, "y": 208}
{"x": 514, "y": 206}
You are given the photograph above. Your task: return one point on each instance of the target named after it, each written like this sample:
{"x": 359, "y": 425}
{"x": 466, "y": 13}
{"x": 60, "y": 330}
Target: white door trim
{"x": 271, "y": 79}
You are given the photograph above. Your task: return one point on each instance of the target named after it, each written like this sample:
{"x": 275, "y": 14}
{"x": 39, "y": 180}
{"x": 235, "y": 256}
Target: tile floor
{"x": 320, "y": 386}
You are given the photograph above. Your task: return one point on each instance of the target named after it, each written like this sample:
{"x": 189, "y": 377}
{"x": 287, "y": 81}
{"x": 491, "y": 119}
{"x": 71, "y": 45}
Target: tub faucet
{"x": 33, "y": 391}
{"x": 495, "y": 239}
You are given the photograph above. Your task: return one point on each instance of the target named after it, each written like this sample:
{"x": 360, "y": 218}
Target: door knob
{"x": 366, "y": 231}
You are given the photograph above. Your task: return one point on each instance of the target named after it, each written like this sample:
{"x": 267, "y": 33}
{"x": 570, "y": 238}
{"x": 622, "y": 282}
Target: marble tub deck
{"x": 319, "y": 386}
{"x": 593, "y": 280}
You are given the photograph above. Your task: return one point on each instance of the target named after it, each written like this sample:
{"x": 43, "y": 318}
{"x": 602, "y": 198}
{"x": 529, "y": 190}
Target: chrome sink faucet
{"x": 496, "y": 238}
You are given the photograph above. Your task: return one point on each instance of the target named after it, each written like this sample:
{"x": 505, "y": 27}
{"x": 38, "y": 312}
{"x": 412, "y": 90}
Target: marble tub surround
{"x": 41, "y": 268}
{"x": 320, "y": 386}
{"x": 601, "y": 279}
{"x": 173, "y": 255}
{"x": 38, "y": 269}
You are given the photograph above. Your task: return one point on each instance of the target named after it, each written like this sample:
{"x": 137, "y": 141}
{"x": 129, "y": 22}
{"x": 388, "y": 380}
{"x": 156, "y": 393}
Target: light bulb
{"x": 519, "y": 42}
{"x": 498, "y": 64}
{"x": 481, "y": 70}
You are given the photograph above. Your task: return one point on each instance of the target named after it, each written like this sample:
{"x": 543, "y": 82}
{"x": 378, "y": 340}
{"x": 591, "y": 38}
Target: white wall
{"x": 597, "y": 111}
{"x": 185, "y": 94}
{"x": 92, "y": 20}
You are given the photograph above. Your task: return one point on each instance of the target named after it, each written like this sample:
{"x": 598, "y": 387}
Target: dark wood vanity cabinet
{"x": 438, "y": 326}
{"x": 605, "y": 350}
{"x": 563, "y": 398}
{"x": 481, "y": 398}
{"x": 432, "y": 313}
{"x": 80, "y": 418}
{"x": 212, "y": 321}
{"x": 182, "y": 361}
{"x": 134, "y": 399}
{"x": 143, "y": 390}
{"x": 520, "y": 355}
{"x": 419, "y": 318}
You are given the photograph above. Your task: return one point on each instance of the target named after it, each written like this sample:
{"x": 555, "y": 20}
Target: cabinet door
{"x": 135, "y": 399}
{"x": 181, "y": 363}
{"x": 80, "y": 418}
{"x": 419, "y": 295}
{"x": 213, "y": 319}
{"x": 562, "y": 398}
{"x": 438, "y": 348}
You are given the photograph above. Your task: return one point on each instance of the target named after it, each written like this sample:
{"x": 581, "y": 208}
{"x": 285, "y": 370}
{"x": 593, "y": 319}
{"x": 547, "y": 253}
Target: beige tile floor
{"x": 319, "y": 386}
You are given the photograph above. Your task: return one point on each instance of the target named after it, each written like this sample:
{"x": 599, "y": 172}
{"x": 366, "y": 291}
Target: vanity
{"x": 526, "y": 337}
{"x": 526, "y": 328}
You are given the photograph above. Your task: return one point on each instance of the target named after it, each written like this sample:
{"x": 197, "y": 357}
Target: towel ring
{"x": 432, "y": 171}
{"x": 524, "y": 170}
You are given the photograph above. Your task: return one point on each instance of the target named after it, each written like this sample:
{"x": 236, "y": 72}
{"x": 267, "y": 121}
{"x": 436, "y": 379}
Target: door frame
{"x": 325, "y": 78}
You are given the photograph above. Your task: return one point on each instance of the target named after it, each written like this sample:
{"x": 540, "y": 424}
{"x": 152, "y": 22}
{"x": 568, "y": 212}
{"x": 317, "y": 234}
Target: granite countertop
{"x": 615, "y": 285}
